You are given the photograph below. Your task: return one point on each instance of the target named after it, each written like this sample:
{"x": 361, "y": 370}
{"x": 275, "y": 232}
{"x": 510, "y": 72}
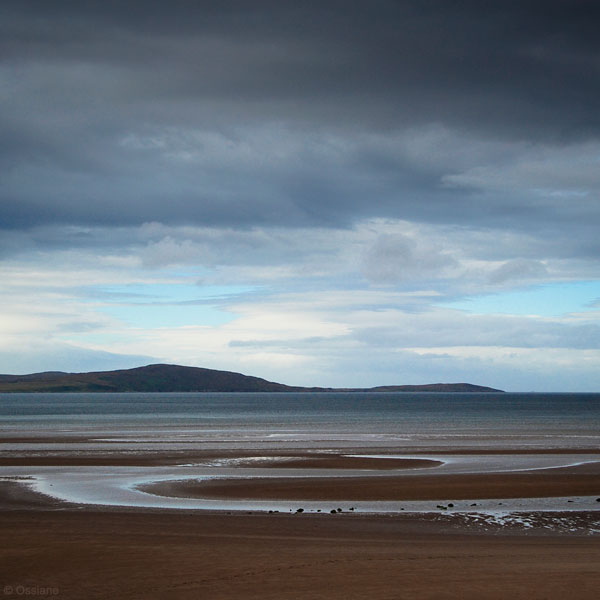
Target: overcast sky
{"x": 328, "y": 193}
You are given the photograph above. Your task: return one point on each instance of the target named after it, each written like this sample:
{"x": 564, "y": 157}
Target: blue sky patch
{"x": 549, "y": 300}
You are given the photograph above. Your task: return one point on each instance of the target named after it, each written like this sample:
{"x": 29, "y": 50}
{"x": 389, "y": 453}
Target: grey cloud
{"x": 519, "y": 269}
{"x": 453, "y": 262}
{"x": 395, "y": 258}
{"x": 427, "y": 330}
{"x": 461, "y": 59}
{"x": 85, "y": 82}
{"x": 437, "y": 53}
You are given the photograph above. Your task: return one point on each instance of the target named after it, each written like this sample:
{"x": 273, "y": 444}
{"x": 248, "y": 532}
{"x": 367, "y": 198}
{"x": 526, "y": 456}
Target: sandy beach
{"x": 85, "y": 552}
{"x": 67, "y": 550}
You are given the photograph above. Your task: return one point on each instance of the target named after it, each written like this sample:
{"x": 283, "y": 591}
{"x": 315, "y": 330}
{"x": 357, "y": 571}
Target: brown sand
{"x": 290, "y": 458}
{"x": 295, "y": 461}
{"x": 327, "y": 461}
{"x": 179, "y": 555}
{"x": 422, "y": 487}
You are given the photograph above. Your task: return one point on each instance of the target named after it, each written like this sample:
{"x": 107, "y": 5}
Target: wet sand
{"x": 573, "y": 481}
{"x": 288, "y": 461}
{"x": 89, "y": 553}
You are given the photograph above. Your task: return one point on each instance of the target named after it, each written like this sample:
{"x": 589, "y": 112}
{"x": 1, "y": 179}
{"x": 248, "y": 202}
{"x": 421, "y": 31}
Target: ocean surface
{"x": 246, "y": 419}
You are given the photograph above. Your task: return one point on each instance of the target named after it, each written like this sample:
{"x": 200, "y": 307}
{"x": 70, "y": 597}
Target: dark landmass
{"x": 175, "y": 378}
{"x": 434, "y": 387}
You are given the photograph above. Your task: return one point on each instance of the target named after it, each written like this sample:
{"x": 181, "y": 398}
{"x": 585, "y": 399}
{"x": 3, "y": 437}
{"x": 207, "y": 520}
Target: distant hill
{"x": 153, "y": 378}
{"x": 175, "y": 378}
{"x": 434, "y": 387}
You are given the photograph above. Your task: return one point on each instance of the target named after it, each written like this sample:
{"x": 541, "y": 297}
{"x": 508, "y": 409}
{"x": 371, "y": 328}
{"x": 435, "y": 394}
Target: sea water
{"x": 337, "y": 419}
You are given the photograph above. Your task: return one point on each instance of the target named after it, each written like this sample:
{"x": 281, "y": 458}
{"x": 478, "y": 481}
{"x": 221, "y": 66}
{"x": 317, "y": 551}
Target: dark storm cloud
{"x": 424, "y": 60}
{"x": 98, "y": 96}
{"x": 435, "y": 58}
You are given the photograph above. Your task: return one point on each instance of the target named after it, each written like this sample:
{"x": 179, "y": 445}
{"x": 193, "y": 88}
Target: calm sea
{"x": 401, "y": 420}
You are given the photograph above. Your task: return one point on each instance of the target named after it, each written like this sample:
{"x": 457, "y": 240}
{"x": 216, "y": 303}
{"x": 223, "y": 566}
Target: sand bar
{"x": 289, "y": 461}
{"x": 583, "y": 481}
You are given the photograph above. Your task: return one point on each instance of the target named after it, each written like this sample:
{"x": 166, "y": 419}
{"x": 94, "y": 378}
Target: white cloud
{"x": 319, "y": 304}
